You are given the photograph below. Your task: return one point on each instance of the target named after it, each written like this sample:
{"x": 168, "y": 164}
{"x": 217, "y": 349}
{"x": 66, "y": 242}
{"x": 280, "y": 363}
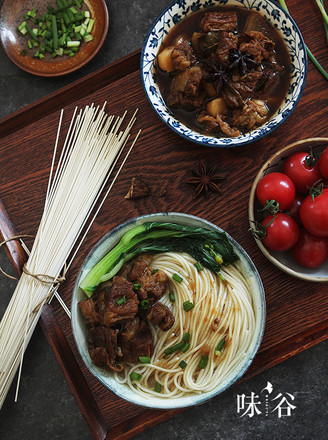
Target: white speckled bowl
{"x": 79, "y": 329}
{"x": 180, "y": 9}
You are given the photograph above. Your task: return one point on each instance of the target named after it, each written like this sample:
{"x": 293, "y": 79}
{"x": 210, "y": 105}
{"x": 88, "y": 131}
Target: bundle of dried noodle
{"x": 91, "y": 149}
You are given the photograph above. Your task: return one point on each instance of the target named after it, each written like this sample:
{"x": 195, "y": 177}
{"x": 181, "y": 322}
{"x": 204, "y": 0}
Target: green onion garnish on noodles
{"x": 136, "y": 286}
{"x": 219, "y": 348}
{"x": 135, "y": 376}
{"x": 121, "y": 301}
{"x": 144, "y": 359}
{"x": 183, "y": 364}
{"x": 187, "y": 306}
{"x": 203, "y": 362}
{"x": 186, "y": 338}
{"x": 177, "y": 278}
{"x": 185, "y": 347}
{"x": 174, "y": 348}
{"x": 171, "y": 297}
{"x": 158, "y": 387}
{"x": 198, "y": 266}
{"x": 154, "y": 271}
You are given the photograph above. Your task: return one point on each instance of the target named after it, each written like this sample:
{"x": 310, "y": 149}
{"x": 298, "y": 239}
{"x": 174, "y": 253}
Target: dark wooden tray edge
{"x": 73, "y": 91}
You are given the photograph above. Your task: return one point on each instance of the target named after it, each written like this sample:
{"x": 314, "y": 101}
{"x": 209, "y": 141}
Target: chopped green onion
{"x": 183, "y": 364}
{"x": 29, "y": 44}
{"x": 73, "y": 43}
{"x": 88, "y": 38}
{"x": 187, "y": 305}
{"x": 218, "y": 258}
{"x": 203, "y": 362}
{"x": 185, "y": 348}
{"x": 220, "y": 276}
{"x": 186, "y": 337}
{"x": 154, "y": 271}
{"x": 177, "y": 278}
{"x": 135, "y": 376}
{"x": 136, "y": 286}
{"x": 219, "y": 347}
{"x": 144, "y": 304}
{"x": 36, "y": 53}
{"x": 90, "y": 25}
{"x": 54, "y": 31}
{"x": 198, "y": 266}
{"x": 24, "y": 52}
{"x": 158, "y": 387}
{"x": 121, "y": 300}
{"x": 144, "y": 359}
{"x": 32, "y": 34}
{"x": 174, "y": 348}
{"x": 172, "y": 297}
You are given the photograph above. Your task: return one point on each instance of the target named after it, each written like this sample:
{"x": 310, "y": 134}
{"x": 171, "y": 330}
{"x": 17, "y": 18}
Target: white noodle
{"x": 230, "y": 303}
{"x": 93, "y": 144}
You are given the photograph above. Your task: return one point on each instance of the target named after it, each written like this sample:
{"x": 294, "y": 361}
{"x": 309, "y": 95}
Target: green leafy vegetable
{"x": 154, "y": 237}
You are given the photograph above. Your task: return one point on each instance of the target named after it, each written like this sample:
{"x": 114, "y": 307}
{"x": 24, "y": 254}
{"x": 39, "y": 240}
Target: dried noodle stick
{"x": 93, "y": 144}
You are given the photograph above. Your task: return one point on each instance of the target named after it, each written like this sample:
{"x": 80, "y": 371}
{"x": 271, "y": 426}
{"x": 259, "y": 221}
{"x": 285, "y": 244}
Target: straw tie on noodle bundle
{"x": 92, "y": 147}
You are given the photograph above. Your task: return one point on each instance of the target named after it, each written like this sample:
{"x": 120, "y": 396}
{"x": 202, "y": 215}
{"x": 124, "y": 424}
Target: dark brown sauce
{"x": 191, "y": 24}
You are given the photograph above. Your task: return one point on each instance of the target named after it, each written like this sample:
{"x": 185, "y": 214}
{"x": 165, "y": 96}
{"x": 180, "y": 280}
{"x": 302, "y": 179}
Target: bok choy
{"x": 209, "y": 248}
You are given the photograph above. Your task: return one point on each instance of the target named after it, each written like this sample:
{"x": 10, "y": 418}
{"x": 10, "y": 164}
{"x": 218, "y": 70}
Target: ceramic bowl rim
{"x": 231, "y": 144}
{"x": 194, "y": 399}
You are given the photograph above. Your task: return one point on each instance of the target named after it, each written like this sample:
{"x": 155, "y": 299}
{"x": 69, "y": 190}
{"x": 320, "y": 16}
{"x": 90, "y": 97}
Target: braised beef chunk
{"x": 152, "y": 283}
{"x": 239, "y": 89}
{"x": 183, "y": 56}
{"x": 258, "y": 45}
{"x": 211, "y": 125}
{"x": 161, "y": 315}
{"x": 136, "y": 340}
{"x": 186, "y": 89}
{"x": 219, "y": 21}
{"x": 253, "y": 113}
{"x": 88, "y": 309}
{"x": 121, "y": 302}
{"x": 228, "y": 41}
{"x": 103, "y": 347}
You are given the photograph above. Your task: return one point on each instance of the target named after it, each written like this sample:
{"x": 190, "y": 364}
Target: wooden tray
{"x": 296, "y": 310}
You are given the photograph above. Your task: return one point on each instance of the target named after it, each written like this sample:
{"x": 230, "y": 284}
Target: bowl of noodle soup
{"x": 229, "y": 307}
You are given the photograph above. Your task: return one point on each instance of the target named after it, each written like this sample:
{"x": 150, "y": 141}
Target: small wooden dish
{"x": 12, "y": 14}
{"x": 284, "y": 260}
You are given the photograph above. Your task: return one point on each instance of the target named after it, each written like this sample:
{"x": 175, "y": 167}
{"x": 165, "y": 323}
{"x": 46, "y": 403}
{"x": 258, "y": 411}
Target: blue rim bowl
{"x": 80, "y": 333}
{"x": 276, "y": 15}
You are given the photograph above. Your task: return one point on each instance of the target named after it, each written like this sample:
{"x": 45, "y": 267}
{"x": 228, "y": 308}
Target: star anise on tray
{"x": 216, "y": 74}
{"x": 241, "y": 61}
{"x": 205, "y": 179}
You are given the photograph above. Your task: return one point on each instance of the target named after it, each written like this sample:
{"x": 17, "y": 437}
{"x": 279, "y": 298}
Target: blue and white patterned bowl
{"x": 106, "y": 377}
{"x": 180, "y": 9}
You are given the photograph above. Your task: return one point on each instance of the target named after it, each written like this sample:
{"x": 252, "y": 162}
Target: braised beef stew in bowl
{"x": 224, "y": 75}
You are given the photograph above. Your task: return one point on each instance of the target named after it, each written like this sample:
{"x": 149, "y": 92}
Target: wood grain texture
{"x": 296, "y": 310}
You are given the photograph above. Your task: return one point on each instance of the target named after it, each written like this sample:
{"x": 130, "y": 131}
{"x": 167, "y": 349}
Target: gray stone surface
{"x": 46, "y": 408}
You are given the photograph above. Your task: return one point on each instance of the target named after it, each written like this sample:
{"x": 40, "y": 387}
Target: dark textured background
{"x": 46, "y": 408}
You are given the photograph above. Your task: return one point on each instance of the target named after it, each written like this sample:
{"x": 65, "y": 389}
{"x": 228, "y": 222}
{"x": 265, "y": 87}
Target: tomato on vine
{"x": 278, "y": 232}
{"x": 303, "y": 169}
{"x": 276, "y": 187}
{"x": 314, "y": 211}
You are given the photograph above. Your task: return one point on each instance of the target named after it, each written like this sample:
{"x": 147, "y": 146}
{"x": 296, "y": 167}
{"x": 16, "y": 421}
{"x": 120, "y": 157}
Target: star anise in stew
{"x": 205, "y": 179}
{"x": 241, "y": 61}
{"x": 216, "y": 74}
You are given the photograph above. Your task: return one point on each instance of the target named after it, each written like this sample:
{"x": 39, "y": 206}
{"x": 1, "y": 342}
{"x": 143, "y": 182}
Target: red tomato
{"x": 310, "y": 251}
{"x": 294, "y": 208}
{"x": 278, "y": 187}
{"x": 323, "y": 163}
{"x": 314, "y": 214}
{"x": 302, "y": 174}
{"x": 282, "y": 233}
